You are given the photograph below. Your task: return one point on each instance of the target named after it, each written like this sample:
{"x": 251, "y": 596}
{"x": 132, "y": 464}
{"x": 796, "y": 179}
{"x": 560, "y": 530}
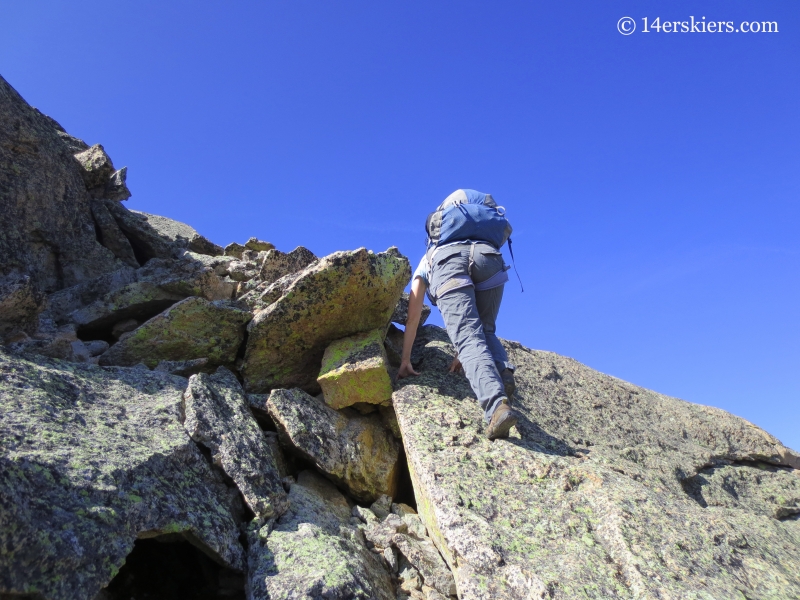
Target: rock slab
{"x": 314, "y": 552}
{"x": 218, "y": 417}
{"x": 604, "y": 490}
{"x": 90, "y": 460}
{"x": 354, "y": 370}
{"x": 339, "y": 295}
{"x": 191, "y": 329}
{"x": 357, "y": 452}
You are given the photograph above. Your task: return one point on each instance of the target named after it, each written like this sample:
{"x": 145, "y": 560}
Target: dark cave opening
{"x": 170, "y": 568}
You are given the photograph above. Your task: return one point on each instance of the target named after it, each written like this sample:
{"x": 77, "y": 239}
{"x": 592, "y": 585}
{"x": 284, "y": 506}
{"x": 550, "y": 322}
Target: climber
{"x": 466, "y": 283}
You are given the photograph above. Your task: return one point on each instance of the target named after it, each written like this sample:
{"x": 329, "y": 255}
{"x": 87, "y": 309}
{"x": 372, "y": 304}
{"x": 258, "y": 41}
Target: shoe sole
{"x": 503, "y": 427}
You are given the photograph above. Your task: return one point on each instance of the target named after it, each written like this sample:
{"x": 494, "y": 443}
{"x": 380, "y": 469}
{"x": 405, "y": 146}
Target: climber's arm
{"x": 415, "y": 299}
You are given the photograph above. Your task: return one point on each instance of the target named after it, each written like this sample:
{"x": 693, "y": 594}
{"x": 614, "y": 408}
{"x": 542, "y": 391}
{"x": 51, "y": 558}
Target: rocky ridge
{"x": 174, "y": 408}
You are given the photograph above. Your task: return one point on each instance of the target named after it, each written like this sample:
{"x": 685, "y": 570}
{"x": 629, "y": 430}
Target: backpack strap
{"x": 510, "y": 251}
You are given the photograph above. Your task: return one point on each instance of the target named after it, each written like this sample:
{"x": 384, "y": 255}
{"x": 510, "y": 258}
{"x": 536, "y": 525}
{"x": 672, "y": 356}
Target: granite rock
{"x": 180, "y": 235}
{"x": 191, "y": 329}
{"x": 426, "y": 559}
{"x": 354, "y": 370}
{"x": 355, "y": 451}
{"x": 20, "y": 305}
{"x": 218, "y": 418}
{"x": 277, "y": 264}
{"x": 111, "y": 236}
{"x": 604, "y": 486}
{"x": 340, "y": 295}
{"x": 90, "y": 460}
{"x": 314, "y": 552}
{"x": 48, "y": 232}
{"x": 400, "y": 314}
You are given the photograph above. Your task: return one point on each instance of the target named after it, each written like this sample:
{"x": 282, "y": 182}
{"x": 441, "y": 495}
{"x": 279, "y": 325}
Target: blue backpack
{"x": 468, "y": 215}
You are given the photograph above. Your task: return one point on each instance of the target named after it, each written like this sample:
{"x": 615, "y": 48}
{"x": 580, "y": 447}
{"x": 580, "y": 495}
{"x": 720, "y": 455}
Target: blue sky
{"x": 652, "y": 179}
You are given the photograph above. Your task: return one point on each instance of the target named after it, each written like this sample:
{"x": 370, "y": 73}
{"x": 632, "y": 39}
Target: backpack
{"x": 468, "y": 215}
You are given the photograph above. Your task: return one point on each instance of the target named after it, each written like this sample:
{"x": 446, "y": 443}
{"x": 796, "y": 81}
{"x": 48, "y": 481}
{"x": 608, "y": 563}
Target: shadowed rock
{"x": 314, "y": 552}
{"x": 20, "y": 304}
{"x": 181, "y": 235}
{"x": 426, "y": 559}
{"x": 340, "y": 295}
{"x": 596, "y": 489}
{"x": 217, "y": 417}
{"x": 400, "y": 314}
{"x": 111, "y": 236}
{"x": 90, "y": 460}
{"x": 48, "y": 231}
{"x": 358, "y": 452}
{"x": 193, "y": 328}
{"x": 354, "y": 370}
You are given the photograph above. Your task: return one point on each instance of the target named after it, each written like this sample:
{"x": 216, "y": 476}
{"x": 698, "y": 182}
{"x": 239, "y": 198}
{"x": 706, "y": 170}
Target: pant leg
{"x": 463, "y": 323}
{"x": 487, "y": 262}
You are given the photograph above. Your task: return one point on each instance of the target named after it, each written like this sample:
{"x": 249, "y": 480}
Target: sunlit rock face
{"x": 603, "y": 486}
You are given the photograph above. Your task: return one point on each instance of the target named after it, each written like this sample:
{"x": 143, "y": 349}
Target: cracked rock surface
{"x": 314, "y": 552}
{"x": 596, "y": 491}
{"x": 92, "y": 459}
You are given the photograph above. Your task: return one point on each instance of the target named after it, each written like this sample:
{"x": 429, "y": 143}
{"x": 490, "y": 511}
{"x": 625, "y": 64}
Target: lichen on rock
{"x": 354, "y": 369}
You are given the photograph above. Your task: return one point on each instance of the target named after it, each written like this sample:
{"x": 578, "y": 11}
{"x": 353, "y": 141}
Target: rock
{"x": 241, "y": 271}
{"x": 402, "y": 509}
{"x": 96, "y": 169}
{"x": 278, "y": 264}
{"x": 20, "y": 305}
{"x": 218, "y": 418}
{"x": 340, "y": 295}
{"x": 400, "y": 314}
{"x": 280, "y": 460}
{"x": 96, "y": 347}
{"x": 258, "y": 245}
{"x": 410, "y": 579}
{"x": 414, "y": 526}
{"x": 364, "y": 514}
{"x": 354, "y": 370}
{"x": 90, "y": 460}
{"x": 139, "y": 295}
{"x": 111, "y": 236}
{"x": 262, "y": 294}
{"x": 235, "y": 250}
{"x": 116, "y": 189}
{"x": 390, "y": 556}
{"x": 314, "y": 552}
{"x": 192, "y": 328}
{"x": 382, "y": 506}
{"x": 184, "y": 368}
{"x": 355, "y": 451}
{"x": 181, "y": 235}
{"x": 426, "y": 559}
{"x": 48, "y": 232}
{"x": 124, "y": 327}
{"x": 430, "y": 593}
{"x": 381, "y": 533}
{"x": 598, "y": 488}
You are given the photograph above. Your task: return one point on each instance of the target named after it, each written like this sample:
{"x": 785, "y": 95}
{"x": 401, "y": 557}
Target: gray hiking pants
{"x": 469, "y": 316}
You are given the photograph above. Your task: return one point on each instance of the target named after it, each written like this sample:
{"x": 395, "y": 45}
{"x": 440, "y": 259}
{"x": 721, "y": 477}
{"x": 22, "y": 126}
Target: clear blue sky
{"x": 652, "y": 179}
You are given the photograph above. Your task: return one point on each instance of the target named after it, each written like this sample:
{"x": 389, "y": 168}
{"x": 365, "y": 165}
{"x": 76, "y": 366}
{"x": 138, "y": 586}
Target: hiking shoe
{"x": 508, "y": 381}
{"x": 503, "y": 419}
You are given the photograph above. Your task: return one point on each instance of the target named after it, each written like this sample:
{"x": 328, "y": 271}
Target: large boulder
{"x": 179, "y": 235}
{"x": 314, "y": 552}
{"x": 218, "y": 418}
{"x": 604, "y": 488}
{"x": 96, "y": 306}
{"x": 276, "y": 264}
{"x": 90, "y": 460}
{"x": 340, "y": 295}
{"x": 354, "y": 371}
{"x": 356, "y": 451}
{"x": 192, "y": 328}
{"x": 20, "y": 305}
{"x": 48, "y": 231}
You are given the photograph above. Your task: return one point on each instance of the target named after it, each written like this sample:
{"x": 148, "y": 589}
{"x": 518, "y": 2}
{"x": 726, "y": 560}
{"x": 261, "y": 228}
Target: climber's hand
{"x": 405, "y": 370}
{"x": 455, "y": 366}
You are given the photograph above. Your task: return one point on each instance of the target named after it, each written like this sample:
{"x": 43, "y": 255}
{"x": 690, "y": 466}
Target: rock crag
{"x": 160, "y": 436}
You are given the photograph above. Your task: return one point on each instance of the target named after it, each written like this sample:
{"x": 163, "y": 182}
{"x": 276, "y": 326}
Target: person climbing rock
{"x": 463, "y": 273}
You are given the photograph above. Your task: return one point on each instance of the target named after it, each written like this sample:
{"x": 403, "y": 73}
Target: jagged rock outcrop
{"x": 191, "y": 329}
{"x": 356, "y": 451}
{"x": 93, "y": 459}
{"x": 340, "y": 295}
{"x": 314, "y": 551}
{"x": 47, "y": 228}
{"x": 217, "y": 417}
{"x": 604, "y": 488}
{"x": 354, "y": 371}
